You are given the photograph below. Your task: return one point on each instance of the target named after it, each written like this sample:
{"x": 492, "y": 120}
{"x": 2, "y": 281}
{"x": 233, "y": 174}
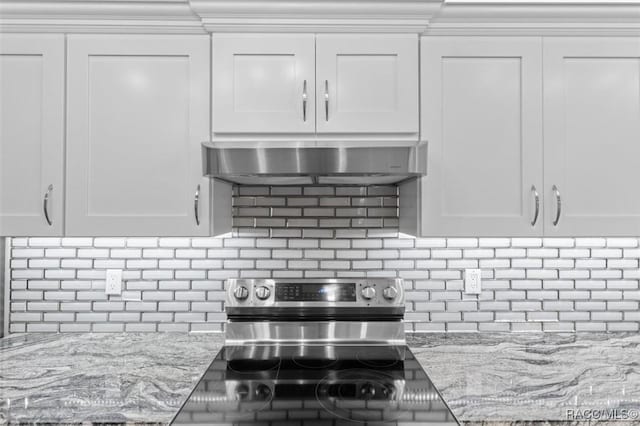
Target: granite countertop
{"x": 102, "y": 378}
{"x": 485, "y": 378}
{"x": 526, "y": 377}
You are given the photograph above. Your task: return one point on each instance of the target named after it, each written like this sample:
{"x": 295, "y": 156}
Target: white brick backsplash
{"x": 510, "y": 273}
{"x": 526, "y": 327}
{"x": 510, "y": 252}
{"x": 483, "y": 253}
{"x": 93, "y": 253}
{"x": 430, "y": 242}
{"x": 173, "y": 306}
{"x": 42, "y": 327}
{"x": 110, "y": 306}
{"x": 126, "y": 253}
{"x": 190, "y": 274}
{"x": 40, "y": 285}
{"x": 591, "y": 326}
{"x": 27, "y": 252}
{"x": 622, "y": 242}
{"x": 142, "y": 242}
{"x": 191, "y": 253}
{"x": 175, "y": 242}
{"x": 75, "y": 306}
{"x": 623, "y": 326}
{"x": 551, "y": 264}
{"x": 158, "y": 253}
{"x": 76, "y": 263}
{"x": 542, "y": 252}
{"x": 175, "y": 284}
{"x": 542, "y": 274}
{"x": 590, "y": 242}
{"x": 162, "y": 264}
{"x": 631, "y": 295}
{"x": 623, "y": 263}
{"x": 80, "y": 242}
{"x": 622, "y": 284}
{"x": 606, "y": 274}
{"x": 573, "y": 274}
{"x": 462, "y": 242}
{"x": 367, "y": 264}
{"x": 40, "y": 263}
{"x": 558, "y": 242}
{"x": 510, "y": 316}
{"x": 575, "y": 253}
{"x": 526, "y": 242}
{"x": 606, "y": 253}
{"x": 446, "y": 254}
{"x": 109, "y": 242}
{"x": 398, "y": 243}
{"x": 591, "y": 264}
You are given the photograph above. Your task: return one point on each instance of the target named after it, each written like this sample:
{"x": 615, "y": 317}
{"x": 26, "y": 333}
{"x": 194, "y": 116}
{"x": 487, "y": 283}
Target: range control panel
{"x": 314, "y": 292}
{"x": 327, "y": 292}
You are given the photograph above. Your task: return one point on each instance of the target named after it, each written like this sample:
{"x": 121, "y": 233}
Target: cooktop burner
{"x": 314, "y": 385}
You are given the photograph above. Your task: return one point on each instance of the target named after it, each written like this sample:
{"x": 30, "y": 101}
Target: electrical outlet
{"x": 473, "y": 281}
{"x": 114, "y": 281}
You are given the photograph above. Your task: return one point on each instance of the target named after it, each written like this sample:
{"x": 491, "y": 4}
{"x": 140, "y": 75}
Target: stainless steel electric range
{"x": 315, "y": 352}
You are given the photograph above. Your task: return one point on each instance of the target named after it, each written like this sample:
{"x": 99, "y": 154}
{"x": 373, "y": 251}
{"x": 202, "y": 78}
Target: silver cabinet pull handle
{"x": 326, "y": 100}
{"x": 537, "y": 211}
{"x": 559, "y": 205}
{"x": 45, "y": 205}
{"x": 304, "y": 101}
{"x": 196, "y": 204}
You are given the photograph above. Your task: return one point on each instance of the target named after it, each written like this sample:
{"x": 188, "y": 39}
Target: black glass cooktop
{"x": 315, "y": 385}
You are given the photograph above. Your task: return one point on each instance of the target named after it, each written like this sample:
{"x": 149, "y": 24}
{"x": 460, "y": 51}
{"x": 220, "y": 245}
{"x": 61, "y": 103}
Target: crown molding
{"x": 429, "y": 17}
{"x": 99, "y": 16}
{"x": 397, "y": 16}
{"x": 537, "y": 18}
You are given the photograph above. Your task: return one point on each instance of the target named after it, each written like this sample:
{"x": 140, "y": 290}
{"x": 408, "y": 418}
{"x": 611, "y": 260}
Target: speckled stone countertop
{"x": 495, "y": 379}
{"x": 100, "y": 378}
{"x": 554, "y": 378}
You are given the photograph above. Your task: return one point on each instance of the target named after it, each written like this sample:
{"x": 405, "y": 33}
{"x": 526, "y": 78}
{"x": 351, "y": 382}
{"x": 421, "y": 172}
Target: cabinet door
{"x": 31, "y": 134}
{"x": 482, "y": 119}
{"x": 367, "y": 84}
{"x": 263, "y": 83}
{"x": 138, "y": 110}
{"x": 592, "y": 136}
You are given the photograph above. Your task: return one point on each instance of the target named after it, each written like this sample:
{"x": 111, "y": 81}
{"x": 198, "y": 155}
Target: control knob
{"x": 241, "y": 293}
{"x": 390, "y": 293}
{"x": 263, "y": 392}
{"x": 389, "y": 391}
{"x": 368, "y": 292}
{"x": 368, "y": 391}
{"x": 242, "y": 392}
{"x": 263, "y": 292}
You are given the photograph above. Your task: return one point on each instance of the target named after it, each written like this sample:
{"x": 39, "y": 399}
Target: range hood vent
{"x": 315, "y": 165}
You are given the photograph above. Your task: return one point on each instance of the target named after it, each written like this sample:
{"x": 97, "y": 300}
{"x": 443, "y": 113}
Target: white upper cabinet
{"x": 31, "y": 134}
{"x": 263, "y": 83}
{"x": 482, "y": 119}
{"x": 592, "y": 136}
{"x": 306, "y": 86}
{"x": 367, "y": 83}
{"x": 138, "y": 110}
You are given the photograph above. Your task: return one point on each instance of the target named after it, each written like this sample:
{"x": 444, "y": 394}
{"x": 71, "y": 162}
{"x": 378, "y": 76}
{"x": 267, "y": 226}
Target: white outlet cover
{"x": 113, "y": 281}
{"x": 473, "y": 281}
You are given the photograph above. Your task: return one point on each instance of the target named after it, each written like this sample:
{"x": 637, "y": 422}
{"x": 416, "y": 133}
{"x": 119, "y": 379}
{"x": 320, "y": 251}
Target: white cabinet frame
{"x": 32, "y": 135}
{"x": 164, "y": 193}
{"x": 482, "y": 120}
{"x": 592, "y": 136}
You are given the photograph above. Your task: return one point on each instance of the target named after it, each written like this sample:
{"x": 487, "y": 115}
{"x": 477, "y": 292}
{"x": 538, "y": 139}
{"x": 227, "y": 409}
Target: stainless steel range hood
{"x": 372, "y": 165}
